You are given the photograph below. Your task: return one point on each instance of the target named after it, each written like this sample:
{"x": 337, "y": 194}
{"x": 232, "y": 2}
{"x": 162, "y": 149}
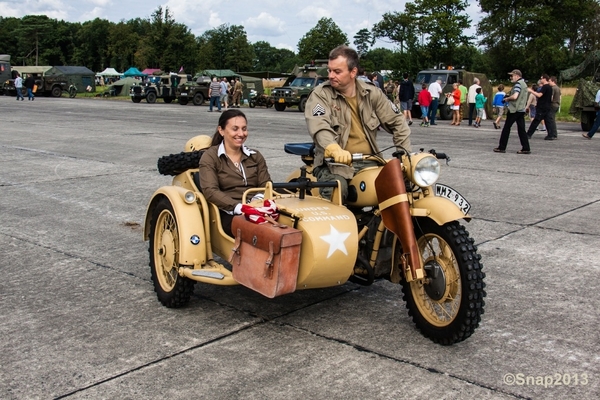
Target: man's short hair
{"x": 546, "y": 77}
{"x": 553, "y": 78}
{"x": 344, "y": 51}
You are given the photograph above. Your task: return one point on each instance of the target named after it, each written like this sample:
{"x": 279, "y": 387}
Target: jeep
{"x": 296, "y": 94}
{"x": 196, "y": 90}
{"x": 163, "y": 87}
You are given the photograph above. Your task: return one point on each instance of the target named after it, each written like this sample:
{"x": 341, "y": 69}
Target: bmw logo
{"x": 195, "y": 239}
{"x": 363, "y": 186}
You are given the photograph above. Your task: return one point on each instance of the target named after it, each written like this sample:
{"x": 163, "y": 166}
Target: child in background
{"x": 424, "y": 100}
{"x": 479, "y": 104}
{"x": 498, "y": 105}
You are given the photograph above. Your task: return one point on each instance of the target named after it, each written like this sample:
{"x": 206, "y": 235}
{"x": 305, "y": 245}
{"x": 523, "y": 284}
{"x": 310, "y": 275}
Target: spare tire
{"x": 175, "y": 164}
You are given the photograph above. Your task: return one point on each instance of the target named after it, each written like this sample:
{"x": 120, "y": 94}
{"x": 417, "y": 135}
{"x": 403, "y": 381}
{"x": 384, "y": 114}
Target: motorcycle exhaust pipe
{"x": 395, "y": 212}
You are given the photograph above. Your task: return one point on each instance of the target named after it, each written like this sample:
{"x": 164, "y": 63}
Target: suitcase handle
{"x": 269, "y": 268}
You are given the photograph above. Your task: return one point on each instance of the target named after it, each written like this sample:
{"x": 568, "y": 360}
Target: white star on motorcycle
{"x": 336, "y": 241}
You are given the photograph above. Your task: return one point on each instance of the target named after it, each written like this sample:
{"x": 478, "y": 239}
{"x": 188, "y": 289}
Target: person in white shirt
{"x": 435, "y": 89}
{"x": 19, "y": 87}
{"x": 471, "y": 98}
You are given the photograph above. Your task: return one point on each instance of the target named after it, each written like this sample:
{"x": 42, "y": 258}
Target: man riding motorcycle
{"x": 343, "y": 116}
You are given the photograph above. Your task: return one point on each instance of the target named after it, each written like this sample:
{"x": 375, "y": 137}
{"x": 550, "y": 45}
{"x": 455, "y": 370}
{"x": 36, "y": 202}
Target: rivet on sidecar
{"x": 254, "y": 240}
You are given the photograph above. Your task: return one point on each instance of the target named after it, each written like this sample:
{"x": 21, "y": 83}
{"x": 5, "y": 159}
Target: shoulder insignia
{"x": 318, "y": 110}
{"x": 395, "y": 108}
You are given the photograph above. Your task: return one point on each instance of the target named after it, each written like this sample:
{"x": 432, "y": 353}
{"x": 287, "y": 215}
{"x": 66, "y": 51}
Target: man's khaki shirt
{"x": 328, "y": 119}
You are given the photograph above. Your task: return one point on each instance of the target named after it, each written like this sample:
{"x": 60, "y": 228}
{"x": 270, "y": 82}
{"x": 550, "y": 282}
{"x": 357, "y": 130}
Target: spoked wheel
{"x": 447, "y": 305}
{"x": 171, "y": 289}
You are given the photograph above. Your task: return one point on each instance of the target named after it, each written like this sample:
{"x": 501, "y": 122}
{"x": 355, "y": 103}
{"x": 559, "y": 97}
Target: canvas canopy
{"x": 133, "y": 71}
{"x": 152, "y": 71}
{"x": 122, "y": 86}
{"x": 109, "y": 72}
{"x": 37, "y": 70}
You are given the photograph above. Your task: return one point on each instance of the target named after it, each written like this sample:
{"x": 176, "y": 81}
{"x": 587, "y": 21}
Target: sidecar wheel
{"x": 252, "y": 103}
{"x": 175, "y": 164}
{"x": 447, "y": 305}
{"x": 172, "y": 290}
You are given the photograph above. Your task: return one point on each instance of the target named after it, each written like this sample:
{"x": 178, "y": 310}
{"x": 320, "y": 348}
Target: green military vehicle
{"x": 583, "y": 102}
{"x": 295, "y": 93}
{"x": 449, "y": 77}
{"x": 158, "y": 87}
{"x": 195, "y": 90}
{"x": 44, "y": 85}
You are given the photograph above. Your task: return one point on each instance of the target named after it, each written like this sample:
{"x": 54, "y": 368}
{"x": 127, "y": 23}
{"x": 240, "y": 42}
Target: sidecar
{"x": 184, "y": 233}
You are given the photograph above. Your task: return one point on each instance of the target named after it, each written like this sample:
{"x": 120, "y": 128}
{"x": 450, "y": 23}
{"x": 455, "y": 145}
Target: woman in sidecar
{"x": 228, "y": 168}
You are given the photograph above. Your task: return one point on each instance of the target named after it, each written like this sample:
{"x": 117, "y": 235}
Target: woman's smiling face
{"x": 235, "y": 133}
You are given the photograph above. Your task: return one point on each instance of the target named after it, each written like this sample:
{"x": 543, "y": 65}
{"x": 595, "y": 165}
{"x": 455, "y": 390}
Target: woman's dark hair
{"x": 225, "y": 117}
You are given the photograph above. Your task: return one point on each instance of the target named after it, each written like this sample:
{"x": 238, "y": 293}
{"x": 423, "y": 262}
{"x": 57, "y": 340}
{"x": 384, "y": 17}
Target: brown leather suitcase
{"x": 265, "y": 257}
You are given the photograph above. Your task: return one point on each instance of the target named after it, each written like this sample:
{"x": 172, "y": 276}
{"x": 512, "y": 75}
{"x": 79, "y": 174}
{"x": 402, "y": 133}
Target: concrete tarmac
{"x": 79, "y": 318}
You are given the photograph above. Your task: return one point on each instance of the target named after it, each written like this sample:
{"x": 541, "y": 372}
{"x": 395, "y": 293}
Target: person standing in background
{"x": 19, "y": 87}
{"x": 516, "y": 113}
{"x": 407, "y": 94}
{"x": 424, "y": 100}
{"x": 471, "y": 98}
{"x": 435, "y": 89}
{"x": 463, "y": 98}
{"x": 498, "y": 105}
{"x": 554, "y": 107}
{"x": 29, "y": 84}
{"x": 214, "y": 92}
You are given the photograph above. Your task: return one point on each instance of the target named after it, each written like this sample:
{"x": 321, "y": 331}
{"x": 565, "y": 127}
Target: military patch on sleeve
{"x": 395, "y": 108}
{"x": 318, "y": 110}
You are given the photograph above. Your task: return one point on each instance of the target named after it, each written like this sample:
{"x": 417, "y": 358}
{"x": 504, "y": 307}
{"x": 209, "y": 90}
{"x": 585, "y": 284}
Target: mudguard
{"x": 395, "y": 212}
{"x": 190, "y": 253}
{"x": 439, "y": 209}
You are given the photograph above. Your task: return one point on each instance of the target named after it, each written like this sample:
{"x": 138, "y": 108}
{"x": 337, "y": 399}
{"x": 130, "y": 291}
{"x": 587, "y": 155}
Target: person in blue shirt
{"x": 498, "y": 104}
{"x": 596, "y": 125}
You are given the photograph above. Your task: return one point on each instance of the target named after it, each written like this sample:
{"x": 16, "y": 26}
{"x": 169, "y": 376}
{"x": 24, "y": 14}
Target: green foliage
{"x": 536, "y": 37}
{"x": 363, "y": 40}
{"x": 320, "y": 40}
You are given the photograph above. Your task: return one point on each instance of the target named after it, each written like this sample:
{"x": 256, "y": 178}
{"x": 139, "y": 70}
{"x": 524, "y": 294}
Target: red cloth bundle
{"x": 260, "y": 215}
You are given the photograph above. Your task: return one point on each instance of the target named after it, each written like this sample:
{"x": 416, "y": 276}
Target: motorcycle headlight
{"x": 425, "y": 170}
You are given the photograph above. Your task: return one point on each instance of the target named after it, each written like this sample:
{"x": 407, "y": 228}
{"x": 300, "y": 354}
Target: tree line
{"x": 536, "y": 37}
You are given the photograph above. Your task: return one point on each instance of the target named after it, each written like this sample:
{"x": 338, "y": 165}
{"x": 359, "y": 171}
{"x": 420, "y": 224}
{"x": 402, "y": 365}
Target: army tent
{"x": 81, "y": 77}
{"x": 219, "y": 73}
{"x": 251, "y": 83}
{"x": 121, "y": 87}
{"x": 133, "y": 71}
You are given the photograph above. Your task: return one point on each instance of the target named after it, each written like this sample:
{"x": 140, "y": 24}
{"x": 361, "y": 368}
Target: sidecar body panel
{"x": 439, "y": 209}
{"x": 190, "y": 224}
{"x": 329, "y": 240}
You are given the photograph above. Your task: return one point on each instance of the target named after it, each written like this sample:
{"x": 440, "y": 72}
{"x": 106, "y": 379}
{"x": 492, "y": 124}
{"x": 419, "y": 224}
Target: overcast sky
{"x": 281, "y": 23}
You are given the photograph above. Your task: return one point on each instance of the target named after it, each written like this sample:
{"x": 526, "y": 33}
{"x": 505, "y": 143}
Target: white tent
{"x": 108, "y": 72}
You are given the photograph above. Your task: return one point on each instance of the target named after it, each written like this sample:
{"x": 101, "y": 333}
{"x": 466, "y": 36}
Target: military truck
{"x": 5, "y": 71}
{"x": 448, "y": 77}
{"x": 45, "y": 85}
{"x": 195, "y": 90}
{"x": 295, "y": 93}
{"x": 583, "y": 102}
{"x": 158, "y": 87}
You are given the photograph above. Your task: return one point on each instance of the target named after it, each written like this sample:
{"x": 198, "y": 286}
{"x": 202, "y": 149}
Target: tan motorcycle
{"x": 398, "y": 223}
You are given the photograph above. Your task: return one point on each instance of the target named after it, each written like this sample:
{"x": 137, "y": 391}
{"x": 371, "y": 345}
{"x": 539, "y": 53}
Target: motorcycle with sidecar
{"x": 259, "y": 100}
{"x": 397, "y": 223}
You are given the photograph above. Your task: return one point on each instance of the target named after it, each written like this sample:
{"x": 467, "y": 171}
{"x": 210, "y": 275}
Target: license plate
{"x": 452, "y": 195}
{"x": 282, "y": 100}
{"x": 183, "y": 94}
